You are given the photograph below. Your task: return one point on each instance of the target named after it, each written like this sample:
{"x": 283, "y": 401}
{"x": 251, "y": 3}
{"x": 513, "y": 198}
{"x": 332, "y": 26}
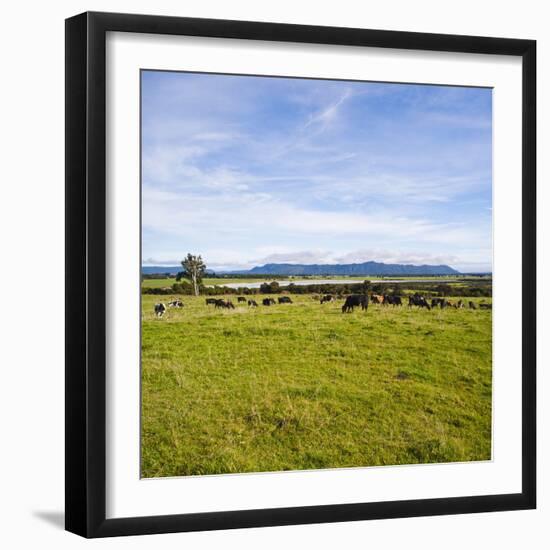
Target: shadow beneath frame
{"x": 57, "y": 519}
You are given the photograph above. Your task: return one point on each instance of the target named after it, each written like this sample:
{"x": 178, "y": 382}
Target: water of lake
{"x": 301, "y": 282}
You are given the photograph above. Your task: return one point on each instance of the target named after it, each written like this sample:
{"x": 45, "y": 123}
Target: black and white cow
{"x": 160, "y": 309}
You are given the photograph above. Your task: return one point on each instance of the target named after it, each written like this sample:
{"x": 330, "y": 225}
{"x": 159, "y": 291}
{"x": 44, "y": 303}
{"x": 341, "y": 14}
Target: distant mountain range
{"x": 365, "y": 268}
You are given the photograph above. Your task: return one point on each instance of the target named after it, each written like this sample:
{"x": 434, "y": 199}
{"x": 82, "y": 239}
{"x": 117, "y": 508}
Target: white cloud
{"x": 396, "y": 257}
{"x": 300, "y": 257}
{"x": 179, "y": 213}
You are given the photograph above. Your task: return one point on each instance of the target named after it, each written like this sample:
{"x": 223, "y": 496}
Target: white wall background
{"x": 32, "y": 256}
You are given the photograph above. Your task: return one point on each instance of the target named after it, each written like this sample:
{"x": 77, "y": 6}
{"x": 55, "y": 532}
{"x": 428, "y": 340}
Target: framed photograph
{"x": 300, "y": 274}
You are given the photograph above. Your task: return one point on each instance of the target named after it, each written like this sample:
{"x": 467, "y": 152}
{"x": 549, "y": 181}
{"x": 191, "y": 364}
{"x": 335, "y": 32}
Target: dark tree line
{"x": 401, "y": 289}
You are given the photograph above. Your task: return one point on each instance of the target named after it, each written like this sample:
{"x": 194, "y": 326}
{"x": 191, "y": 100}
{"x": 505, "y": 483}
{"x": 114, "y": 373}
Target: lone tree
{"x": 193, "y": 271}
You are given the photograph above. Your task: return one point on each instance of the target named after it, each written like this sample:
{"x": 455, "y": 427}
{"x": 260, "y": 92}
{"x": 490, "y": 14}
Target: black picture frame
{"x": 86, "y": 279}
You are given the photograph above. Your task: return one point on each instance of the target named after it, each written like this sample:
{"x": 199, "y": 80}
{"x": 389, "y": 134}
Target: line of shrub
{"x": 401, "y": 289}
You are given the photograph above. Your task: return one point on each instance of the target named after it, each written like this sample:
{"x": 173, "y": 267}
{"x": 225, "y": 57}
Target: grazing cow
{"x": 485, "y": 306}
{"x": 268, "y": 301}
{"x": 227, "y": 304}
{"x": 252, "y": 303}
{"x": 377, "y": 299}
{"x": 460, "y": 304}
{"x": 393, "y": 300}
{"x": 437, "y": 302}
{"x": 355, "y": 300}
{"x": 160, "y": 309}
{"x": 451, "y": 304}
{"x": 327, "y": 298}
{"x": 175, "y": 303}
{"x": 241, "y": 299}
{"x": 285, "y": 300}
{"x": 211, "y": 301}
{"x": 418, "y": 300}
{"x": 472, "y": 305}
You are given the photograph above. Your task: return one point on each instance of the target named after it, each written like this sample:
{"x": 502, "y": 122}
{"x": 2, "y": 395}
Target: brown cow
{"x": 377, "y": 299}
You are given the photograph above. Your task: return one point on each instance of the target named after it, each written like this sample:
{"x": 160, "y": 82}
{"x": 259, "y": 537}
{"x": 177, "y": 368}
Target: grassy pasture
{"x": 304, "y": 386}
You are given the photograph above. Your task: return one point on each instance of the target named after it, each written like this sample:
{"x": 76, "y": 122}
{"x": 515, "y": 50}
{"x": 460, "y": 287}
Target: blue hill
{"x": 366, "y": 268}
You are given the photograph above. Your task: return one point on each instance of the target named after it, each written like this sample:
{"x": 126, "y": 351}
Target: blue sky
{"x": 250, "y": 170}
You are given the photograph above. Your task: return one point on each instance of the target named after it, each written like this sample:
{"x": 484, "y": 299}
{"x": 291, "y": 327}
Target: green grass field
{"x": 304, "y": 386}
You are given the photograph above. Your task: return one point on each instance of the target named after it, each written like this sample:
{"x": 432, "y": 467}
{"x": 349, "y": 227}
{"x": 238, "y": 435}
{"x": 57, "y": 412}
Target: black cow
{"x": 418, "y": 300}
{"x": 160, "y": 309}
{"x": 392, "y": 300}
{"x": 442, "y": 303}
{"x": 355, "y": 300}
{"x": 268, "y": 301}
{"x": 472, "y": 305}
{"x": 211, "y": 301}
{"x": 241, "y": 299}
{"x": 327, "y": 298}
{"x": 252, "y": 303}
{"x": 285, "y": 300}
{"x": 224, "y": 304}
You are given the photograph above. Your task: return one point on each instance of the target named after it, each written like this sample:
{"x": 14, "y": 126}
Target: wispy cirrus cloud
{"x": 328, "y": 113}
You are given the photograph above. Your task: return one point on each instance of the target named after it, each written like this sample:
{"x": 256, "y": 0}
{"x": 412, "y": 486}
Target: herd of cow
{"x": 351, "y": 301}
{"x": 228, "y": 304}
{"x": 414, "y": 300}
